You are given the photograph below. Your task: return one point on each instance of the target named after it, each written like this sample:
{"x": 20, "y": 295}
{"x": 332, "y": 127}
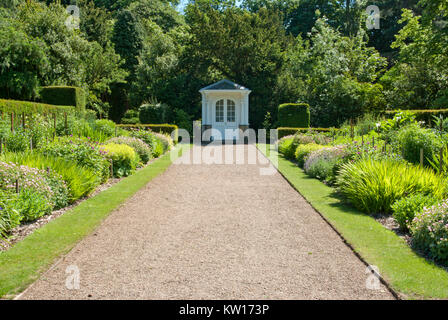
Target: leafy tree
{"x": 22, "y": 62}
{"x": 419, "y": 78}
{"x": 335, "y": 75}
{"x": 158, "y": 11}
{"x": 95, "y": 23}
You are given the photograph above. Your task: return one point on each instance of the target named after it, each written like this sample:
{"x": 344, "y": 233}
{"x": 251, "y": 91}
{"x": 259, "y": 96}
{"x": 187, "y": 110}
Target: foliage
{"x": 429, "y": 231}
{"x": 295, "y": 115}
{"x": 64, "y": 96}
{"x": 373, "y": 186}
{"x": 303, "y": 150}
{"x": 18, "y": 107}
{"x": 166, "y": 129}
{"x": 84, "y": 152}
{"x": 124, "y": 159}
{"x": 22, "y": 62}
{"x": 283, "y": 132}
{"x": 164, "y": 140}
{"x": 143, "y": 150}
{"x": 33, "y": 205}
{"x": 405, "y": 209}
{"x": 287, "y": 147}
{"x": 410, "y": 139}
{"x": 324, "y": 163}
{"x": 104, "y": 126}
{"x": 153, "y": 113}
{"x": 334, "y": 74}
{"x": 130, "y": 117}
{"x": 80, "y": 180}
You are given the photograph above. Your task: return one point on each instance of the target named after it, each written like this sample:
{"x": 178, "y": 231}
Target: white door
{"x": 225, "y": 125}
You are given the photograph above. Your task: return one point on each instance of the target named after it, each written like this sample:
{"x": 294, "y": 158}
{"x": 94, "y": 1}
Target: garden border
{"x": 27, "y": 260}
{"x": 400, "y": 287}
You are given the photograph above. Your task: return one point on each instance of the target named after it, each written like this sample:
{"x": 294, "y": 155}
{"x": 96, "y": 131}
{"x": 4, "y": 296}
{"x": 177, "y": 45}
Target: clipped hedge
{"x": 283, "y": 132}
{"x": 159, "y": 128}
{"x": 421, "y": 115}
{"x": 27, "y": 107}
{"x": 64, "y": 96}
{"x": 295, "y": 115}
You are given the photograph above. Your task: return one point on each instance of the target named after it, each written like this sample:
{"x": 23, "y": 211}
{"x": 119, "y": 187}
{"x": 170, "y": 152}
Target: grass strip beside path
{"x": 405, "y": 271}
{"x": 27, "y": 260}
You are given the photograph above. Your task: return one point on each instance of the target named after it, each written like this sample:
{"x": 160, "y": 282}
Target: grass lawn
{"x": 406, "y": 272}
{"x": 25, "y": 262}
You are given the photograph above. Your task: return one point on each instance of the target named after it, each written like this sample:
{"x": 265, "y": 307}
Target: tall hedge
{"x": 294, "y": 115}
{"x": 27, "y": 107}
{"x": 64, "y": 96}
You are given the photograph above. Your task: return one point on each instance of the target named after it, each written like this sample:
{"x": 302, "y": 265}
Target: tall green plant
{"x": 374, "y": 185}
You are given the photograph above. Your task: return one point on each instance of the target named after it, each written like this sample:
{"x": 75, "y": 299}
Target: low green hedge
{"x": 283, "y": 132}
{"x": 294, "y": 115}
{"x": 64, "y": 96}
{"x": 27, "y": 107}
{"x": 159, "y": 128}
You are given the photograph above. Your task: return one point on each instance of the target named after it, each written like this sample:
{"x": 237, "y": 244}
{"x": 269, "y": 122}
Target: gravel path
{"x": 211, "y": 232}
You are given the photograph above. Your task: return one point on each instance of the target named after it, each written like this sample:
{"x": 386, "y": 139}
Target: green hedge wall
{"x": 283, "y": 132}
{"x": 159, "y": 128}
{"x": 64, "y": 96}
{"x": 294, "y": 115}
{"x": 18, "y": 107}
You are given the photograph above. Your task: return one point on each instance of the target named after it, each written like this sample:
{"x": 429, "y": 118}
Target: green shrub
{"x": 106, "y": 127}
{"x": 82, "y": 151}
{"x": 421, "y": 115}
{"x": 124, "y": 159}
{"x": 283, "y": 132}
{"x": 373, "y": 186}
{"x": 9, "y": 215}
{"x": 130, "y": 117}
{"x": 164, "y": 140}
{"x": 32, "y": 205}
{"x": 429, "y": 230}
{"x": 17, "y": 141}
{"x": 153, "y": 113}
{"x": 412, "y": 138}
{"x": 294, "y": 115}
{"x": 324, "y": 163}
{"x": 64, "y": 96}
{"x": 304, "y": 150}
{"x": 80, "y": 180}
{"x": 143, "y": 150}
{"x": 27, "y": 107}
{"x": 167, "y": 129}
{"x": 287, "y": 147}
{"x": 405, "y": 209}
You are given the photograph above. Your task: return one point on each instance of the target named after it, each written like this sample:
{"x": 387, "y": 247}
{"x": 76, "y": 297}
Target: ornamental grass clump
{"x": 143, "y": 150}
{"x": 429, "y": 231}
{"x": 373, "y": 186}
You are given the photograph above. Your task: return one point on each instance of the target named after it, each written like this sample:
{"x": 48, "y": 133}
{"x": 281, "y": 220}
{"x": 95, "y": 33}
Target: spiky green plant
{"x": 80, "y": 180}
{"x": 374, "y": 185}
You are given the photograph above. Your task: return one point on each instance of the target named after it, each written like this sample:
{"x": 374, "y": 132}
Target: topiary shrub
{"x": 430, "y": 232}
{"x": 294, "y": 115}
{"x": 153, "y": 113}
{"x": 131, "y": 117}
{"x": 405, "y": 209}
{"x": 64, "y": 96}
{"x": 303, "y": 151}
{"x": 143, "y": 150}
{"x": 123, "y": 157}
{"x": 373, "y": 186}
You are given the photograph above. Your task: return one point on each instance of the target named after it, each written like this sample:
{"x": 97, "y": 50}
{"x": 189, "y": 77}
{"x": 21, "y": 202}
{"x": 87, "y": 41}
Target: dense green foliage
{"x": 294, "y": 115}
{"x": 64, "y": 96}
{"x": 405, "y": 209}
{"x": 303, "y": 150}
{"x": 124, "y": 159}
{"x": 374, "y": 185}
{"x": 143, "y": 150}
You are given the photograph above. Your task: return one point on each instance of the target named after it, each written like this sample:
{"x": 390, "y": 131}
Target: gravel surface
{"x": 212, "y": 232}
